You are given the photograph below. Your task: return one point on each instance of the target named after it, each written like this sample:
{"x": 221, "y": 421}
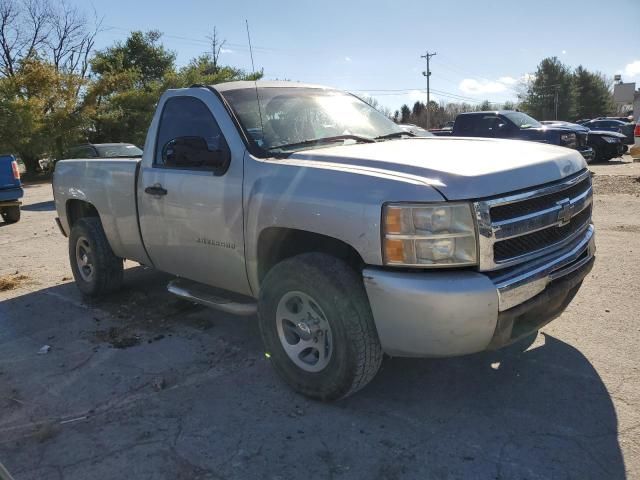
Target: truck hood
{"x": 459, "y": 168}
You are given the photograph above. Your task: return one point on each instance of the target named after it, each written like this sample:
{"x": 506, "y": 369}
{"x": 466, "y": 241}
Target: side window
{"x": 464, "y": 125}
{"x": 487, "y": 125}
{"x": 190, "y": 138}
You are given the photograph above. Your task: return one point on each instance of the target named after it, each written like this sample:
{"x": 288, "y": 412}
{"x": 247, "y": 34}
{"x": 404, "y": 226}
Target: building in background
{"x": 626, "y": 97}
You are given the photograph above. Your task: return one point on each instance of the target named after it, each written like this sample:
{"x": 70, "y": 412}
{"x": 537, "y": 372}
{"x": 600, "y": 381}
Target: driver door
{"x": 190, "y": 204}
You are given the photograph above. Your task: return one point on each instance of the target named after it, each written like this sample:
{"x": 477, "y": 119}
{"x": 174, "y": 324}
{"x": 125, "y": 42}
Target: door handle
{"x": 155, "y": 190}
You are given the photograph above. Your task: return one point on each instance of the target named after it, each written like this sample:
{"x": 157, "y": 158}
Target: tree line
{"x": 555, "y": 91}
{"x": 56, "y": 91}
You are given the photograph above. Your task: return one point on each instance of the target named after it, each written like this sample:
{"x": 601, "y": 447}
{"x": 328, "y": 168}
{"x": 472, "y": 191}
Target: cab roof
{"x": 244, "y": 84}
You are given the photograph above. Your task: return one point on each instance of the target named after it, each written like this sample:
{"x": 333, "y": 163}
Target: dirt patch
{"x": 626, "y": 228}
{"x": 616, "y": 184}
{"x": 117, "y": 337}
{"x": 11, "y": 282}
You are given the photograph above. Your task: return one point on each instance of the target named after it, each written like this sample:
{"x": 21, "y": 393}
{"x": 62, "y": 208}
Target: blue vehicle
{"x": 10, "y": 189}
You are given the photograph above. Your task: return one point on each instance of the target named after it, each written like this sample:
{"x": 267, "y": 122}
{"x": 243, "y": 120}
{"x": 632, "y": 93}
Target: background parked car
{"x": 10, "y": 189}
{"x": 611, "y": 125}
{"x": 517, "y": 126}
{"x": 103, "y": 150}
{"x": 606, "y": 145}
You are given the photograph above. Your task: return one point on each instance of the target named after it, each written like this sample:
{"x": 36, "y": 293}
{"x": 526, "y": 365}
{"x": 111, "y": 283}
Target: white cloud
{"x": 347, "y": 59}
{"x": 632, "y": 69}
{"x": 564, "y": 52}
{"x": 472, "y": 86}
{"x": 226, "y": 50}
{"x": 508, "y": 80}
{"x": 503, "y": 85}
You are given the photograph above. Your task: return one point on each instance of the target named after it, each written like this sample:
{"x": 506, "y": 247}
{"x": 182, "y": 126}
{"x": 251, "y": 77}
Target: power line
{"x": 403, "y": 91}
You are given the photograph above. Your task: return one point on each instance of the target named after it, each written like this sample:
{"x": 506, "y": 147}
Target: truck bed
{"x": 110, "y": 186}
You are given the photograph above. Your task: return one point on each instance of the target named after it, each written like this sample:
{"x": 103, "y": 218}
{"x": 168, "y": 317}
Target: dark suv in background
{"x": 518, "y": 126}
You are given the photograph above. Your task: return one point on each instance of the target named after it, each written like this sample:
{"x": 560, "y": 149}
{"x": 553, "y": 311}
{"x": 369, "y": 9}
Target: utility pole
{"x": 427, "y": 56}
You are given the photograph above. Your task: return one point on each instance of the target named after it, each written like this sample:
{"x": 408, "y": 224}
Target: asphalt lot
{"x": 142, "y": 385}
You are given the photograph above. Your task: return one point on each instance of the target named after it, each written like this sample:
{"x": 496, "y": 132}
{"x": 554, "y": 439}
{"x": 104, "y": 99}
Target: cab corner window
{"x": 189, "y": 138}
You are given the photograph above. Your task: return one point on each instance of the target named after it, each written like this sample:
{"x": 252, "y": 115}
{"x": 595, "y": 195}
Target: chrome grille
{"x": 518, "y": 246}
{"x": 582, "y": 139}
{"x": 524, "y": 226}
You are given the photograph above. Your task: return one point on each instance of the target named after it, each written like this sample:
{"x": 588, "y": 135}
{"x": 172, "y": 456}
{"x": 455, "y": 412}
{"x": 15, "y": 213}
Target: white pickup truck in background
{"x": 347, "y": 235}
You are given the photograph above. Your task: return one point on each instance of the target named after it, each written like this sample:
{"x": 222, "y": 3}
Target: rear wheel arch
{"x": 77, "y": 209}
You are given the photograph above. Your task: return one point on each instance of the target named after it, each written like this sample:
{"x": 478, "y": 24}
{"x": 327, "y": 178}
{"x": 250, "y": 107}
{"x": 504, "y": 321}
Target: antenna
{"x": 255, "y": 81}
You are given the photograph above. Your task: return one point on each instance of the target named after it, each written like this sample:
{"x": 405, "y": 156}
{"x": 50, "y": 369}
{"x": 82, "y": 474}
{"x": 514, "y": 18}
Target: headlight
{"x": 568, "y": 139}
{"x": 610, "y": 139}
{"x": 429, "y": 235}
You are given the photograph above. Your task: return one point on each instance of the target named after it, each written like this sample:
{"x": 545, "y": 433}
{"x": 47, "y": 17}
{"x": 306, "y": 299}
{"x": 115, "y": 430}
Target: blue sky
{"x": 484, "y": 48}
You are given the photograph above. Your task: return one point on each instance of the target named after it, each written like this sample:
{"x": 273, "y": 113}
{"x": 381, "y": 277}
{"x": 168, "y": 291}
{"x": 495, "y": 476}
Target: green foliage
{"x": 576, "y": 94}
{"x": 590, "y": 95}
{"x": 41, "y": 113}
{"x": 141, "y": 54}
{"x": 130, "y": 78}
{"x": 485, "y": 106}
{"x": 405, "y": 114}
{"x": 44, "y": 109}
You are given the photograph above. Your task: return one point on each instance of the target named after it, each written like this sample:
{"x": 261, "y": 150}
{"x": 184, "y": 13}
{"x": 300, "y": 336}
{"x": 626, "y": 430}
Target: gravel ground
{"x": 142, "y": 385}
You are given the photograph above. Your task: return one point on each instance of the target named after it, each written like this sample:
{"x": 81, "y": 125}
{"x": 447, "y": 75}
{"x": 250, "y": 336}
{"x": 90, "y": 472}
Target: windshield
{"x": 522, "y": 120}
{"x": 114, "y": 151}
{"x": 300, "y": 118}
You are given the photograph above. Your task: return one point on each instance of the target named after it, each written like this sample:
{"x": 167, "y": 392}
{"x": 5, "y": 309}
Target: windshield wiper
{"x": 320, "y": 141}
{"x": 395, "y": 135}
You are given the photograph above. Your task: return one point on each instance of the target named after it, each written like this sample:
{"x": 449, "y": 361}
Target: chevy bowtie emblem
{"x": 566, "y": 211}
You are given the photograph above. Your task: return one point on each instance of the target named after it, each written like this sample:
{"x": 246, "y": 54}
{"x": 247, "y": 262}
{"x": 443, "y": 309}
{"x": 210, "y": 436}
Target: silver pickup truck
{"x": 348, "y": 236}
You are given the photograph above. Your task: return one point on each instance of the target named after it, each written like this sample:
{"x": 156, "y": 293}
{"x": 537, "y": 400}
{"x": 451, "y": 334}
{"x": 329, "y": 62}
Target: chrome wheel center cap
{"x": 304, "y": 328}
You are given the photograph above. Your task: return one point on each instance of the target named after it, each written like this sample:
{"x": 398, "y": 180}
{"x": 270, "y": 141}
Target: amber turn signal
{"x": 394, "y": 251}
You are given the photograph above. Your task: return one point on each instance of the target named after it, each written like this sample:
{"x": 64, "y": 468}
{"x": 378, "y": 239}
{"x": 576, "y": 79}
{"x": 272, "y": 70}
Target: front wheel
{"x": 95, "y": 267}
{"x": 11, "y": 214}
{"x": 317, "y": 326}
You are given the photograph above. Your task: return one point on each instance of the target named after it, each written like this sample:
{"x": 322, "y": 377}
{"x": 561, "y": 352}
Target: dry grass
{"x": 11, "y": 282}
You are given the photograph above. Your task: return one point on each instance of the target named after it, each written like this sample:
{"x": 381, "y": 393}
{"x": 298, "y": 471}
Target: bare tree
{"x": 70, "y": 40}
{"x": 23, "y": 31}
{"x": 57, "y": 32}
{"x": 216, "y": 48}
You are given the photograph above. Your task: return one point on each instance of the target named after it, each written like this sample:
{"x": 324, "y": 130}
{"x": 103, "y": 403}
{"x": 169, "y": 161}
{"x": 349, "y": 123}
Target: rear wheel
{"x": 95, "y": 267}
{"x": 11, "y": 214}
{"x": 317, "y": 326}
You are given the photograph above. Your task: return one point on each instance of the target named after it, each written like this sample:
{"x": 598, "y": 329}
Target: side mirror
{"x": 197, "y": 152}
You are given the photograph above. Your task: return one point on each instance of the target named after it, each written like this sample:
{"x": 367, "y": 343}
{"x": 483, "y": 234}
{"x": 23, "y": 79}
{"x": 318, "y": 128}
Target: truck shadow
{"x": 48, "y": 206}
{"x": 540, "y": 413}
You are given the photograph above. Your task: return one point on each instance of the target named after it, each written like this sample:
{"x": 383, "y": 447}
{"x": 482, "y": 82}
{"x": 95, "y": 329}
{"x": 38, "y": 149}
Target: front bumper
{"x": 446, "y": 313}
{"x": 588, "y": 153}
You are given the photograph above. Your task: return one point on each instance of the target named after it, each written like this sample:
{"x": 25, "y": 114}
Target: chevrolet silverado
{"x": 347, "y": 236}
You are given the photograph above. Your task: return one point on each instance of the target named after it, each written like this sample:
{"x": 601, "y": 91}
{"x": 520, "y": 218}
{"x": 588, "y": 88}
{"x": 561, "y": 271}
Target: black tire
{"x": 339, "y": 292}
{"x": 11, "y": 214}
{"x": 107, "y": 269}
